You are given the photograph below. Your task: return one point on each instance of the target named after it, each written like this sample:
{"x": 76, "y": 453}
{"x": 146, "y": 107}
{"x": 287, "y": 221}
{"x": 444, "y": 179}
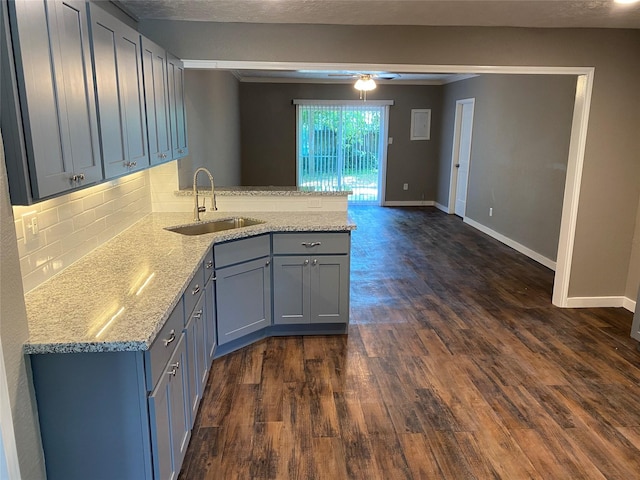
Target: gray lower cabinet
{"x": 55, "y": 111}
{"x": 311, "y": 288}
{"x": 198, "y": 365}
{"x": 117, "y": 61}
{"x": 170, "y": 416}
{"x": 243, "y": 287}
{"x": 211, "y": 323}
{"x": 124, "y": 415}
{"x": 243, "y": 299}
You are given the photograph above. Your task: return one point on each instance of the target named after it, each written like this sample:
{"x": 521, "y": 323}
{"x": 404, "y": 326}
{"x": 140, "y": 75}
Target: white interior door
{"x": 462, "y": 152}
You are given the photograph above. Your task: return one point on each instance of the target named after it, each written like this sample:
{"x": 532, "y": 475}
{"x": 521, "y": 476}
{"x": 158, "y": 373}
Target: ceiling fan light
{"x": 365, "y": 83}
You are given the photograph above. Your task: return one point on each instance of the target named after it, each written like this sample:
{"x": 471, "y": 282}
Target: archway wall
{"x": 610, "y": 190}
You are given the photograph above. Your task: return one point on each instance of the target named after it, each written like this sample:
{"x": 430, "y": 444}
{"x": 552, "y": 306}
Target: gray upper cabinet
{"x": 177, "y": 116}
{"x": 56, "y": 96}
{"x": 120, "y": 92}
{"x": 156, "y": 91}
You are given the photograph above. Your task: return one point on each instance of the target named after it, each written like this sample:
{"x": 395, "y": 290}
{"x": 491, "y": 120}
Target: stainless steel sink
{"x": 215, "y": 226}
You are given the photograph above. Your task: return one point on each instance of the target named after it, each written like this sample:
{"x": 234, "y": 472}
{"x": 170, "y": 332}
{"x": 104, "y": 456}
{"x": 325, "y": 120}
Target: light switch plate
{"x": 30, "y": 227}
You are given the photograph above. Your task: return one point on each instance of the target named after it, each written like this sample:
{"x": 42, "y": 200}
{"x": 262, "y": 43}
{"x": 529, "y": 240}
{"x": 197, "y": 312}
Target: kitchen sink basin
{"x": 215, "y": 226}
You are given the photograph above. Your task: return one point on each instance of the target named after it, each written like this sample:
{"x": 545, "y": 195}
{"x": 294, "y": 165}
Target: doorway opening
{"x": 340, "y": 146}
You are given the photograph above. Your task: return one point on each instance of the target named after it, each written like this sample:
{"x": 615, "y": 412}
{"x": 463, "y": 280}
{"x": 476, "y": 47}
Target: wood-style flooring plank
{"x": 456, "y": 366}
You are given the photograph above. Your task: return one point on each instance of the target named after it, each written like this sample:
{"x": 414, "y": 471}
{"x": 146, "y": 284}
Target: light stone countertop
{"x": 264, "y": 191}
{"x": 118, "y": 297}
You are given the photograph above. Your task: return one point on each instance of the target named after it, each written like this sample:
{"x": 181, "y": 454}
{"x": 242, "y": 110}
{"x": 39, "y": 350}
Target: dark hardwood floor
{"x": 456, "y": 366}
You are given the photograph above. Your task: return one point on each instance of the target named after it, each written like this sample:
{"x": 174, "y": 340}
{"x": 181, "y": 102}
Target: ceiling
{"x": 510, "y": 13}
{"x": 345, "y": 76}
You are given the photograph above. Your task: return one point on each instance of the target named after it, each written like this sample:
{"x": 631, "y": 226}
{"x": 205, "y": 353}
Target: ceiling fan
{"x": 365, "y": 81}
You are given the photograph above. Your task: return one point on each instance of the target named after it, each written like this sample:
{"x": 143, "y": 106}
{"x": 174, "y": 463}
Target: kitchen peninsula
{"x": 121, "y": 341}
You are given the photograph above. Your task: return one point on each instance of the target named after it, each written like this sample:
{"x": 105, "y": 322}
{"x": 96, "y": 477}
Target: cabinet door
{"x": 156, "y": 91}
{"x": 291, "y": 291}
{"x": 170, "y": 417}
{"x": 57, "y": 96}
{"x": 210, "y": 324}
{"x": 243, "y": 299}
{"x": 329, "y": 282}
{"x": 120, "y": 91}
{"x": 195, "y": 336}
{"x": 178, "y": 119}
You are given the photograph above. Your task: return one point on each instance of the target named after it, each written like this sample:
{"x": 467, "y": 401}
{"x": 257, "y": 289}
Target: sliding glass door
{"x": 340, "y": 147}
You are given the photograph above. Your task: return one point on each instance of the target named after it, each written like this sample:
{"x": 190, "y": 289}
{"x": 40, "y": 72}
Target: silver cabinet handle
{"x": 196, "y": 290}
{"x": 130, "y": 164}
{"x": 306, "y": 262}
{"x": 311, "y": 244}
{"x": 209, "y": 265}
{"x": 174, "y": 369}
{"x": 198, "y": 314}
{"x": 172, "y": 337}
{"x": 180, "y": 150}
{"x": 267, "y": 264}
{"x": 315, "y": 261}
{"x": 78, "y": 177}
{"x": 81, "y": 176}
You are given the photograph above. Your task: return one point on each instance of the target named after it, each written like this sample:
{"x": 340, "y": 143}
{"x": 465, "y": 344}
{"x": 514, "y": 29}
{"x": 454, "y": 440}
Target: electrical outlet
{"x": 30, "y": 228}
{"x": 405, "y": 186}
{"x": 390, "y": 141}
{"x": 491, "y": 212}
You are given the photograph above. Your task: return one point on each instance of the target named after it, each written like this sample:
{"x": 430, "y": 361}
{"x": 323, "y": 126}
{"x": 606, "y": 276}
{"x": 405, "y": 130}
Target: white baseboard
{"x": 595, "y": 302}
{"x": 629, "y": 304}
{"x": 409, "y": 203}
{"x": 444, "y": 208}
{"x": 547, "y": 262}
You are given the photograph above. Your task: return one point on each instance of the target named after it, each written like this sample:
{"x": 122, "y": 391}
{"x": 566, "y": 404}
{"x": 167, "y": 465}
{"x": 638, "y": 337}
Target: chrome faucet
{"x": 201, "y": 209}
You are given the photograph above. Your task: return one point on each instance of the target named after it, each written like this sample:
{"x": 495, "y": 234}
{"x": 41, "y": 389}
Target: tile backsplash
{"x": 72, "y": 225}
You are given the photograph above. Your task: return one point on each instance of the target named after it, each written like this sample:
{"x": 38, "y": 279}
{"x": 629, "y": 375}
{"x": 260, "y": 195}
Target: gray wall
{"x": 633, "y": 280}
{"x": 610, "y": 188}
{"x": 519, "y": 152}
{"x": 268, "y": 125}
{"x": 13, "y": 333}
{"x": 213, "y": 119}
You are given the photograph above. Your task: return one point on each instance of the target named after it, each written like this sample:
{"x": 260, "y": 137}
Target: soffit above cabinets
{"x": 491, "y": 13}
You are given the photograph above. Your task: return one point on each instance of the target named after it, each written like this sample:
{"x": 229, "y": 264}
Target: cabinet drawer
{"x": 243, "y": 250}
{"x": 156, "y": 357}
{"x": 310, "y": 243}
{"x": 193, "y": 291}
{"x": 208, "y": 265}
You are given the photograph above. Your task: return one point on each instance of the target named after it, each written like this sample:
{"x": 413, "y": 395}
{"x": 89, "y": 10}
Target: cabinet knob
{"x": 180, "y": 150}
{"x": 196, "y": 290}
{"x": 315, "y": 261}
{"x": 198, "y": 314}
{"x": 209, "y": 265}
{"x": 174, "y": 369}
{"x": 306, "y": 262}
{"x": 81, "y": 176}
{"x": 171, "y": 338}
{"x": 267, "y": 264}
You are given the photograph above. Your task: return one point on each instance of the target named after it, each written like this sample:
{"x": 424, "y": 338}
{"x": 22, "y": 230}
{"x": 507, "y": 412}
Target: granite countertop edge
{"x": 147, "y": 319}
{"x": 263, "y": 191}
